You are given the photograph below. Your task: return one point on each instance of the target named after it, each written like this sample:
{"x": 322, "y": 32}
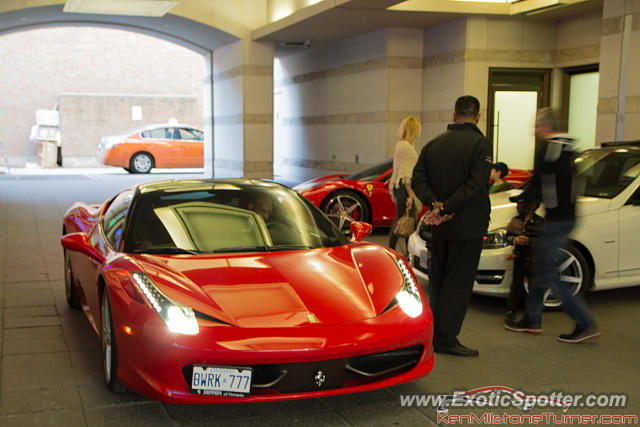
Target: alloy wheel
{"x": 343, "y": 209}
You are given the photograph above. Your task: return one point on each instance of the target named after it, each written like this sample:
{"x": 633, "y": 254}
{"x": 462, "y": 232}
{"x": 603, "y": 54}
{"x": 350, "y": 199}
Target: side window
{"x": 199, "y": 135}
{"x": 154, "y": 133}
{"x": 114, "y": 218}
{"x": 187, "y": 134}
{"x": 634, "y": 199}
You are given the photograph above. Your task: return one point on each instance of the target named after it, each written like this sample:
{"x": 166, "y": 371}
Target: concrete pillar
{"x": 404, "y": 80}
{"x": 619, "y": 90}
{"x": 243, "y": 110}
{"x": 207, "y": 113}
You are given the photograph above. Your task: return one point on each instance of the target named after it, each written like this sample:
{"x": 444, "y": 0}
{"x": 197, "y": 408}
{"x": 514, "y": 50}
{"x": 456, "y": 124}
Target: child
{"x": 498, "y": 172}
{"x": 522, "y": 231}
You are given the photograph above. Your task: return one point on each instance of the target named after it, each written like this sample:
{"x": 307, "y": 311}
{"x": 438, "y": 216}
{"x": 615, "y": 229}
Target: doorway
{"x": 514, "y": 97}
{"x": 580, "y": 103}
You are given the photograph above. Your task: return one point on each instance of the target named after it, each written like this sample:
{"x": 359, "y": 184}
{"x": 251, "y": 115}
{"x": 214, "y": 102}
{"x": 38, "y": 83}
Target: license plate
{"x": 221, "y": 381}
{"x": 424, "y": 258}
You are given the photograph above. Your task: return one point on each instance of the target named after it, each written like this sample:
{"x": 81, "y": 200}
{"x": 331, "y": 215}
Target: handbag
{"x": 405, "y": 225}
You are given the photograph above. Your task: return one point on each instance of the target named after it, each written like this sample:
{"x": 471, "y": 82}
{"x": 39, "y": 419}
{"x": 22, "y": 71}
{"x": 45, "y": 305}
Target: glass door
{"x": 514, "y": 97}
{"x": 514, "y": 114}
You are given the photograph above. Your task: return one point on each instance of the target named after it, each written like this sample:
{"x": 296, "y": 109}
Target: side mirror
{"x": 359, "y": 230}
{"x": 79, "y": 242}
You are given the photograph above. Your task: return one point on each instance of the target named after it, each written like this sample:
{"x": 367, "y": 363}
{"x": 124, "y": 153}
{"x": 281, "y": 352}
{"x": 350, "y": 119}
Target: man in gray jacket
{"x": 451, "y": 176}
{"x": 554, "y": 184}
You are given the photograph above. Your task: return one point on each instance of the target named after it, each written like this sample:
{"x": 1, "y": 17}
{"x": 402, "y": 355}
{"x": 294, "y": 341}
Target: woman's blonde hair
{"x": 409, "y": 129}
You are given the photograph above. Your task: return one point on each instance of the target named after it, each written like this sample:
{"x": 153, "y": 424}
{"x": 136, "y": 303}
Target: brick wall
{"x": 38, "y": 65}
{"x": 85, "y": 118}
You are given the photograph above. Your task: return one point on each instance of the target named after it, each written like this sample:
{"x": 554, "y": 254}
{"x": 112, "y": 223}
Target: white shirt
{"x": 404, "y": 160}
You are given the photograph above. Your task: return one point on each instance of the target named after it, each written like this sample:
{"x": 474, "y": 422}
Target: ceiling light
{"x": 156, "y": 8}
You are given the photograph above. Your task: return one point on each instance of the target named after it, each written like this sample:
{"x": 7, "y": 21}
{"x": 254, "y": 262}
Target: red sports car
{"x": 206, "y": 291}
{"x": 364, "y": 196}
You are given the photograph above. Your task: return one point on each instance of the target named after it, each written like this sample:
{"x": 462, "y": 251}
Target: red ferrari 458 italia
{"x": 362, "y": 196}
{"x": 207, "y": 291}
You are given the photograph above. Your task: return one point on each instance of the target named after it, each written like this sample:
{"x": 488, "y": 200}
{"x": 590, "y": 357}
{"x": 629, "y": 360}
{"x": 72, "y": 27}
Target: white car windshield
{"x": 606, "y": 173}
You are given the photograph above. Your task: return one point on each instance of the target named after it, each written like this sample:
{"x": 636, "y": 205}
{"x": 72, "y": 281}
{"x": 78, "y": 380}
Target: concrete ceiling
{"x": 362, "y": 16}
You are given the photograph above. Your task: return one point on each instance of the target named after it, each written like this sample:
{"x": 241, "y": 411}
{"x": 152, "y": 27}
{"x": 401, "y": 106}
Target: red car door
{"x": 86, "y": 271}
{"x": 385, "y": 209}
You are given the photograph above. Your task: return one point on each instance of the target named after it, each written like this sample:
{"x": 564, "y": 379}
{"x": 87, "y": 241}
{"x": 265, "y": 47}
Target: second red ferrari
{"x": 364, "y": 196}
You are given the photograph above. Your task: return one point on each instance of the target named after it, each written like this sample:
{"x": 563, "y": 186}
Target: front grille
{"x": 336, "y": 373}
{"x": 489, "y": 277}
{"x": 373, "y": 365}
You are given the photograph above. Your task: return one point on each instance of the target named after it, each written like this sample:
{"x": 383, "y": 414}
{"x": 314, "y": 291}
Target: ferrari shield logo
{"x": 311, "y": 318}
{"x": 369, "y": 187}
{"x": 319, "y": 378}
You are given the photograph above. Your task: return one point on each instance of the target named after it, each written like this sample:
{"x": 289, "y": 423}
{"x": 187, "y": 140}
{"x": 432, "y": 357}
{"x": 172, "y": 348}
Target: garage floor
{"x": 51, "y": 368}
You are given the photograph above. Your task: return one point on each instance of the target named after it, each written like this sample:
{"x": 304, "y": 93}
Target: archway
{"x": 190, "y": 34}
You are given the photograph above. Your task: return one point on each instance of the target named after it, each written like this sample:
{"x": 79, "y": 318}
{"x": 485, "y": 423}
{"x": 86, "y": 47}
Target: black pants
{"x": 453, "y": 272}
{"x": 517, "y": 294}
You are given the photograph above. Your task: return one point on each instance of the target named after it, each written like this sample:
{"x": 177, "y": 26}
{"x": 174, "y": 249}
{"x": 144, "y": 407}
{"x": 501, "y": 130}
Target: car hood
{"x": 502, "y": 210}
{"x": 312, "y": 183}
{"x": 282, "y": 289}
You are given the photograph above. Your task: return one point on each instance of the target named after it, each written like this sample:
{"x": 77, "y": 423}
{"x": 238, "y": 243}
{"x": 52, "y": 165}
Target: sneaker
{"x": 581, "y": 334}
{"x": 523, "y": 326}
{"x": 511, "y": 316}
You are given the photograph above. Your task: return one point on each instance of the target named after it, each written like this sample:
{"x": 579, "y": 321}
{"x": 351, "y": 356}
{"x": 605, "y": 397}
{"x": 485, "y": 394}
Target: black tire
{"x": 141, "y": 163}
{"x": 128, "y": 170}
{"x": 109, "y": 348}
{"x": 575, "y": 271}
{"x": 69, "y": 283}
{"x": 344, "y": 206}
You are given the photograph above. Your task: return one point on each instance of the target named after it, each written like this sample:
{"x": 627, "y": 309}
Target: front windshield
{"x": 220, "y": 218}
{"x": 606, "y": 173}
{"x": 373, "y": 172}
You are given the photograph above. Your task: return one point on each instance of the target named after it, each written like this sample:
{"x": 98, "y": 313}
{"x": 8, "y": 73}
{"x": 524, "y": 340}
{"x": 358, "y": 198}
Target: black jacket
{"x": 521, "y": 226}
{"x": 454, "y": 168}
{"x": 553, "y": 182}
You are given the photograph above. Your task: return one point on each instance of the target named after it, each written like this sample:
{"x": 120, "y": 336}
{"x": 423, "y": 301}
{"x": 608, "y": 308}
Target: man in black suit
{"x": 451, "y": 176}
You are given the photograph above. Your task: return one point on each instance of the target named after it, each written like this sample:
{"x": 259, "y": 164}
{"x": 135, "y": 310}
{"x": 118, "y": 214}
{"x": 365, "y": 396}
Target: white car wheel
{"x": 573, "y": 271}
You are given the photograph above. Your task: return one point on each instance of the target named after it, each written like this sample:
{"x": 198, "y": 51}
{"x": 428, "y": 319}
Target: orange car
{"x": 154, "y": 146}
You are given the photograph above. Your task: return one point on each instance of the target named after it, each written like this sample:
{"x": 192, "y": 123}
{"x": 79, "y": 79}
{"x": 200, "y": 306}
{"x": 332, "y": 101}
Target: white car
{"x": 604, "y": 248}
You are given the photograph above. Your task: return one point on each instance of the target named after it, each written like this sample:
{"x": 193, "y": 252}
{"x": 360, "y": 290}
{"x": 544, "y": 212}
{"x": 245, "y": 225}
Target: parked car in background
{"x": 238, "y": 290}
{"x": 604, "y": 245}
{"x": 168, "y": 145}
{"x": 364, "y": 196}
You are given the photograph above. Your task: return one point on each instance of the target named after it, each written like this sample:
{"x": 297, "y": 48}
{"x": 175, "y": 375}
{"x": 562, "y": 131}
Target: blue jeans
{"x": 554, "y": 235}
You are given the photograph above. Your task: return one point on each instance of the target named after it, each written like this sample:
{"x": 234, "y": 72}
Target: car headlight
{"x": 408, "y": 298}
{"x": 495, "y": 239}
{"x": 108, "y": 143}
{"x": 179, "y": 319}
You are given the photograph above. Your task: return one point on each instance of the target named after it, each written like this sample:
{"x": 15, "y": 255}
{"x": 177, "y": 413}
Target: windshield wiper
{"x": 241, "y": 249}
{"x": 290, "y": 247}
{"x": 166, "y": 250}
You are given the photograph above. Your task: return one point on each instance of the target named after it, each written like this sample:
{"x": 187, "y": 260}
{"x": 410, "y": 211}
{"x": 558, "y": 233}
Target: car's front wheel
{"x": 109, "y": 348}
{"x": 573, "y": 270}
{"x": 69, "y": 286}
{"x": 141, "y": 163}
{"x": 343, "y": 207}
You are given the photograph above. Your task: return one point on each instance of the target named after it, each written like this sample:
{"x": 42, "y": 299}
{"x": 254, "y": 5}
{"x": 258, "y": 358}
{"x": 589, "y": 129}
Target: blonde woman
{"x": 404, "y": 159}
